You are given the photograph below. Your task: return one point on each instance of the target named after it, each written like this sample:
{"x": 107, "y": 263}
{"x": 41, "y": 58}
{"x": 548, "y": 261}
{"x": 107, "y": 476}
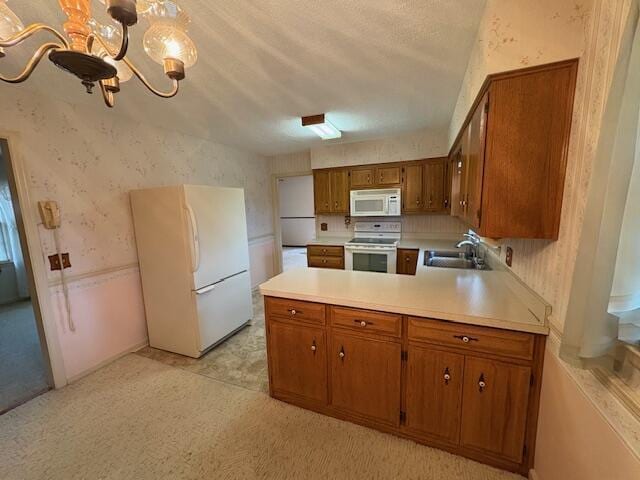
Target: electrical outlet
{"x": 66, "y": 261}
{"x": 509, "y": 257}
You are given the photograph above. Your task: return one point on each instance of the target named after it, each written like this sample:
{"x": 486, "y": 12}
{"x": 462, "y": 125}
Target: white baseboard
{"x": 131, "y": 349}
{"x": 533, "y": 475}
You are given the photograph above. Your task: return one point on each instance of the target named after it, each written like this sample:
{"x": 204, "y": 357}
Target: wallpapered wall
{"x": 412, "y": 146}
{"x": 518, "y": 33}
{"x": 87, "y": 159}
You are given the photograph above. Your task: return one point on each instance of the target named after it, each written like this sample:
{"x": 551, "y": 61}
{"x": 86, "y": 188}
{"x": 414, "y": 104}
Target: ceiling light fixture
{"x": 321, "y": 127}
{"x": 98, "y": 53}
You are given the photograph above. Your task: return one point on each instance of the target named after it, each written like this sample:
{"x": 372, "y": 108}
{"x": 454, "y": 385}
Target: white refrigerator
{"x": 194, "y": 264}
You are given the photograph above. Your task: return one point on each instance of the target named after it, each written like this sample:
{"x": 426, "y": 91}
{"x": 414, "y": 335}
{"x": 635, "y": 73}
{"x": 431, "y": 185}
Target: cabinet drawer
{"x": 471, "y": 337}
{"x": 325, "y": 262}
{"x": 295, "y": 309}
{"x": 366, "y": 321}
{"x": 324, "y": 251}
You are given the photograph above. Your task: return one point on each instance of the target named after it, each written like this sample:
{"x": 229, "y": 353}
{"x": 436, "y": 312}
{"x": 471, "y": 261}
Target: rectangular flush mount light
{"x": 321, "y": 127}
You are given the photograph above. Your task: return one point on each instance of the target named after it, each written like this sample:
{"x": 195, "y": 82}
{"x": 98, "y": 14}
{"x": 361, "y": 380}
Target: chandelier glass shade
{"x": 96, "y": 52}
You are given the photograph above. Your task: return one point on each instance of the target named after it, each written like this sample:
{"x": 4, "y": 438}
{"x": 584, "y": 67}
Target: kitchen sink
{"x": 451, "y": 259}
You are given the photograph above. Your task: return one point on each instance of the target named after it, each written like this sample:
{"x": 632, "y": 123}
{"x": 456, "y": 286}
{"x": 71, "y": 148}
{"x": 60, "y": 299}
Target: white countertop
{"x": 486, "y": 298}
{"x": 336, "y": 241}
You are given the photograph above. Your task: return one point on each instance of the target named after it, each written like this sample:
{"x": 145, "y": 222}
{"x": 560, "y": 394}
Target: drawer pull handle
{"x": 341, "y": 354}
{"x": 293, "y": 311}
{"x": 363, "y": 323}
{"x": 465, "y": 338}
{"x": 481, "y": 383}
{"x": 447, "y": 376}
{"x": 314, "y": 347}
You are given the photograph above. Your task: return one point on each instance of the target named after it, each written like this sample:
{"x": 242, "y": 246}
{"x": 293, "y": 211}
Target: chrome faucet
{"x": 473, "y": 244}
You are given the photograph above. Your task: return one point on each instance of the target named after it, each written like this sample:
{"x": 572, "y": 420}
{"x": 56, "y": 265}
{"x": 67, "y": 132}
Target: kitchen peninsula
{"x": 450, "y": 358}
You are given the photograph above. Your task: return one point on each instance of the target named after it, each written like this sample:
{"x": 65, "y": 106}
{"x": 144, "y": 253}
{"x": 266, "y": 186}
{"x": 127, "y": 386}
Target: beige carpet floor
{"x": 140, "y": 419}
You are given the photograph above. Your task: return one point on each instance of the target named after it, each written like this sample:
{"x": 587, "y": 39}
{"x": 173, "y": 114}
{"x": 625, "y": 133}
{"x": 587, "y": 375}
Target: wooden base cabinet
{"x": 298, "y": 360}
{"x": 365, "y": 377}
{"x": 473, "y": 391}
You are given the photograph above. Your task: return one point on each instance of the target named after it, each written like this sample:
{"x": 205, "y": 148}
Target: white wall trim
{"x": 30, "y": 221}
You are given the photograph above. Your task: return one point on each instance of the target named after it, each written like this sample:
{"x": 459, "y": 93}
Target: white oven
{"x": 375, "y": 202}
{"x": 374, "y": 247}
{"x": 370, "y": 258}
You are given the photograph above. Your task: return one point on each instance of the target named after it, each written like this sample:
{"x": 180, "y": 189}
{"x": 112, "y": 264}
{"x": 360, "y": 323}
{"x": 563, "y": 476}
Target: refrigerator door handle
{"x": 194, "y": 244}
{"x": 202, "y": 290}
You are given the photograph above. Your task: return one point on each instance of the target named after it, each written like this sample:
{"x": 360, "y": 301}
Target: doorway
{"x": 297, "y": 219}
{"x": 24, "y": 362}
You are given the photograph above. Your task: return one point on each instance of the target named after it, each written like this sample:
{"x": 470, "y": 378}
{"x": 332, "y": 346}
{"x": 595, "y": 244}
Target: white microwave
{"x": 375, "y": 203}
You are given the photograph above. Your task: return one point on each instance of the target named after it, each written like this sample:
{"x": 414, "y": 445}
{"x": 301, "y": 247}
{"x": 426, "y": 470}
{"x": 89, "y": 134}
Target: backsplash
{"x": 412, "y": 225}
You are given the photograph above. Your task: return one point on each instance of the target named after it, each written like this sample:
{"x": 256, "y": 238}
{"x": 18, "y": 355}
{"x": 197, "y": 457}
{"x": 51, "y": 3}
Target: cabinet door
{"x": 386, "y": 176}
{"x": 407, "y": 261}
{"x": 434, "y": 173}
{"x": 362, "y": 177}
{"x": 365, "y": 377}
{"x": 322, "y": 191}
{"x": 475, "y": 163}
{"x": 457, "y": 175}
{"x": 412, "y": 200}
{"x": 494, "y": 407}
{"x": 339, "y": 191}
{"x": 434, "y": 392}
{"x": 298, "y": 360}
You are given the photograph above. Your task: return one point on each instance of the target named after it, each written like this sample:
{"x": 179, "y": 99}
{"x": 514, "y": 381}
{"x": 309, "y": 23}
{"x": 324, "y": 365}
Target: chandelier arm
{"x": 29, "y": 31}
{"x": 33, "y": 63}
{"x": 109, "y": 97}
{"x": 172, "y": 93}
{"x": 124, "y": 46}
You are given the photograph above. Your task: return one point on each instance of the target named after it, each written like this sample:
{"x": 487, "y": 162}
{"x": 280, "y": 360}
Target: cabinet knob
{"x": 324, "y": 260}
{"x": 418, "y": 201}
{"x": 293, "y": 311}
{"x": 465, "y": 338}
{"x": 481, "y": 383}
{"x": 341, "y": 354}
{"x": 324, "y": 250}
{"x": 313, "y": 347}
{"x": 363, "y": 323}
{"x": 447, "y": 376}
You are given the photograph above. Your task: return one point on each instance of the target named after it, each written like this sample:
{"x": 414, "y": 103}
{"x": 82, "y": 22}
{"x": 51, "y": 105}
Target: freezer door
{"x": 223, "y": 308}
{"x": 218, "y": 230}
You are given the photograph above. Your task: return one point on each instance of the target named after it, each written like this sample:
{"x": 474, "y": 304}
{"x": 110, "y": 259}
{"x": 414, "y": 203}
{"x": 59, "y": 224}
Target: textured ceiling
{"x": 376, "y": 67}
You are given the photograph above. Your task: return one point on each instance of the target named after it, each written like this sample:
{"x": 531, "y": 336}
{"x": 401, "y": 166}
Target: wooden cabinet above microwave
{"x": 509, "y": 160}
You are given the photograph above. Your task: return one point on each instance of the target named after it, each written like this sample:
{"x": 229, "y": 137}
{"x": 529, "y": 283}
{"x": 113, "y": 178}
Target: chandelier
{"x": 97, "y": 53}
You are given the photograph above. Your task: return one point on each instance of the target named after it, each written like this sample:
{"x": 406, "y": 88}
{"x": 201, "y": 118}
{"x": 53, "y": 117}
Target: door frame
{"x": 277, "y": 225}
{"x": 27, "y": 222}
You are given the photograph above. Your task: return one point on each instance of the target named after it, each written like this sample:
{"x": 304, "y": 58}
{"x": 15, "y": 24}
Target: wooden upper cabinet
{"x": 475, "y": 143}
{"x": 339, "y": 191}
{"x": 413, "y": 188}
{"x": 389, "y": 176}
{"x": 331, "y": 191}
{"x": 514, "y": 146}
{"x": 494, "y": 407}
{"x": 434, "y": 378}
{"x": 457, "y": 182}
{"x": 434, "y": 177}
{"x": 362, "y": 177}
{"x": 322, "y": 191}
{"x": 302, "y": 346}
{"x": 365, "y": 377}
